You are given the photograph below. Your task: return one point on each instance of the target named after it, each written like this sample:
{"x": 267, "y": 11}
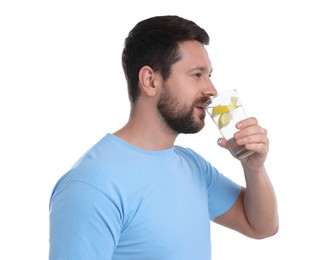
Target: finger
{"x": 222, "y": 142}
{"x": 258, "y": 143}
{"x": 255, "y": 138}
{"x": 246, "y": 122}
{"x": 261, "y": 148}
{"x": 251, "y": 130}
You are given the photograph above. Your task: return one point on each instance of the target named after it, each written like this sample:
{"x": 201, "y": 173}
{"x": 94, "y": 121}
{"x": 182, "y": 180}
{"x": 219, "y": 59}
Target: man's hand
{"x": 254, "y": 137}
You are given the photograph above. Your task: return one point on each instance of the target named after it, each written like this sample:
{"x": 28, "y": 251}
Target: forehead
{"x": 193, "y": 54}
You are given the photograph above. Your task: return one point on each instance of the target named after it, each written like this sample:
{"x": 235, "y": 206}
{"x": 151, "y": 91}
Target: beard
{"x": 180, "y": 117}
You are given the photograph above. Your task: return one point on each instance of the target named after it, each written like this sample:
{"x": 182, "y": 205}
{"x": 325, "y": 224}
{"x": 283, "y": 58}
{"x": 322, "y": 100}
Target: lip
{"x": 203, "y": 103}
{"x": 202, "y": 107}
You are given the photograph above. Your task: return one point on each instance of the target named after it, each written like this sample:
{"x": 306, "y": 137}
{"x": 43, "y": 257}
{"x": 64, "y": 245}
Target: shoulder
{"x": 192, "y": 156}
{"x": 188, "y": 152}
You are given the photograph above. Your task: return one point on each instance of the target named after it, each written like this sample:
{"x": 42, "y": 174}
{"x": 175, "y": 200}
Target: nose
{"x": 210, "y": 90}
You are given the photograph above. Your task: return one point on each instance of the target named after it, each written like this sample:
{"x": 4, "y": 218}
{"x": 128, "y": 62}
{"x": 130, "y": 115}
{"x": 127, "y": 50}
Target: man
{"x": 136, "y": 195}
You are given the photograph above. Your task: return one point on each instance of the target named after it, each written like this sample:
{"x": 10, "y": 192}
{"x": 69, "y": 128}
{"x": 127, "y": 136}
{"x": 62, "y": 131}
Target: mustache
{"x": 203, "y": 100}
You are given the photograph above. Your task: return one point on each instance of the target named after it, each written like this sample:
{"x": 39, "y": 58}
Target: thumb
{"x": 222, "y": 142}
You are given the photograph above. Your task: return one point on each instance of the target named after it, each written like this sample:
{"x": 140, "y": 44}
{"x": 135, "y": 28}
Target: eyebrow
{"x": 201, "y": 68}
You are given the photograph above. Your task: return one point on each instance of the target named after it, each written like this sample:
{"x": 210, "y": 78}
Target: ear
{"x": 147, "y": 79}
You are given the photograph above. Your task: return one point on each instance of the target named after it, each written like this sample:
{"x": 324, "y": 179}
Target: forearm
{"x": 260, "y": 202}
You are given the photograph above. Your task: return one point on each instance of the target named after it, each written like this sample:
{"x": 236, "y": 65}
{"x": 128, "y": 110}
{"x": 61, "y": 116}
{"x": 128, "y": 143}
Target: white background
{"x": 62, "y": 89}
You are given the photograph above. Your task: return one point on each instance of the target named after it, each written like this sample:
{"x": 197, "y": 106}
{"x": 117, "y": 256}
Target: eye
{"x": 197, "y": 75}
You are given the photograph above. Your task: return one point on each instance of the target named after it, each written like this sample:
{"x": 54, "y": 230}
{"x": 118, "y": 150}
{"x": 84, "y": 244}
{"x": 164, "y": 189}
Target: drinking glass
{"x": 226, "y": 111}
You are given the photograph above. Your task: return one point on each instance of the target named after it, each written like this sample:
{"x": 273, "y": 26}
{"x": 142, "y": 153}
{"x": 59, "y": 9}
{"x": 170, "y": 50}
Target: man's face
{"x": 184, "y": 94}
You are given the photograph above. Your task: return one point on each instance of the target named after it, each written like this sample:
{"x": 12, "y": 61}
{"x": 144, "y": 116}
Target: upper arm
{"x": 84, "y": 223}
{"x": 235, "y": 218}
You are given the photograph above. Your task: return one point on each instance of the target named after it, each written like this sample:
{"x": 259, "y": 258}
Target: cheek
{"x": 178, "y": 85}
{"x": 181, "y": 91}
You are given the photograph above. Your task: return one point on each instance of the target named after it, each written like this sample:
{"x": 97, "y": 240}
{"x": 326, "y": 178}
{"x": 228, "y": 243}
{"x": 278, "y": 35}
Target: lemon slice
{"x": 233, "y": 101}
{"x": 220, "y": 109}
{"x": 224, "y": 119}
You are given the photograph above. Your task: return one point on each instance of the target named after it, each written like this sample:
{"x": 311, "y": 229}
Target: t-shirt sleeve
{"x": 84, "y": 223}
{"x": 222, "y": 191}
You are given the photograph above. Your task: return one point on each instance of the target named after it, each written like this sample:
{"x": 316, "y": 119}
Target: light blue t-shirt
{"x": 120, "y": 202}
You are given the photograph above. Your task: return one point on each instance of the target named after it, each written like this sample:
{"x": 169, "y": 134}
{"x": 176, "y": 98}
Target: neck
{"x": 147, "y": 131}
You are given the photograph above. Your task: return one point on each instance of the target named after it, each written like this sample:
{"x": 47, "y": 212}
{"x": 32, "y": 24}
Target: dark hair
{"x": 154, "y": 42}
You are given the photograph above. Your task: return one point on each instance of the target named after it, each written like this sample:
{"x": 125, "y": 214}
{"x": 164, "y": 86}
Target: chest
{"x": 166, "y": 217}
